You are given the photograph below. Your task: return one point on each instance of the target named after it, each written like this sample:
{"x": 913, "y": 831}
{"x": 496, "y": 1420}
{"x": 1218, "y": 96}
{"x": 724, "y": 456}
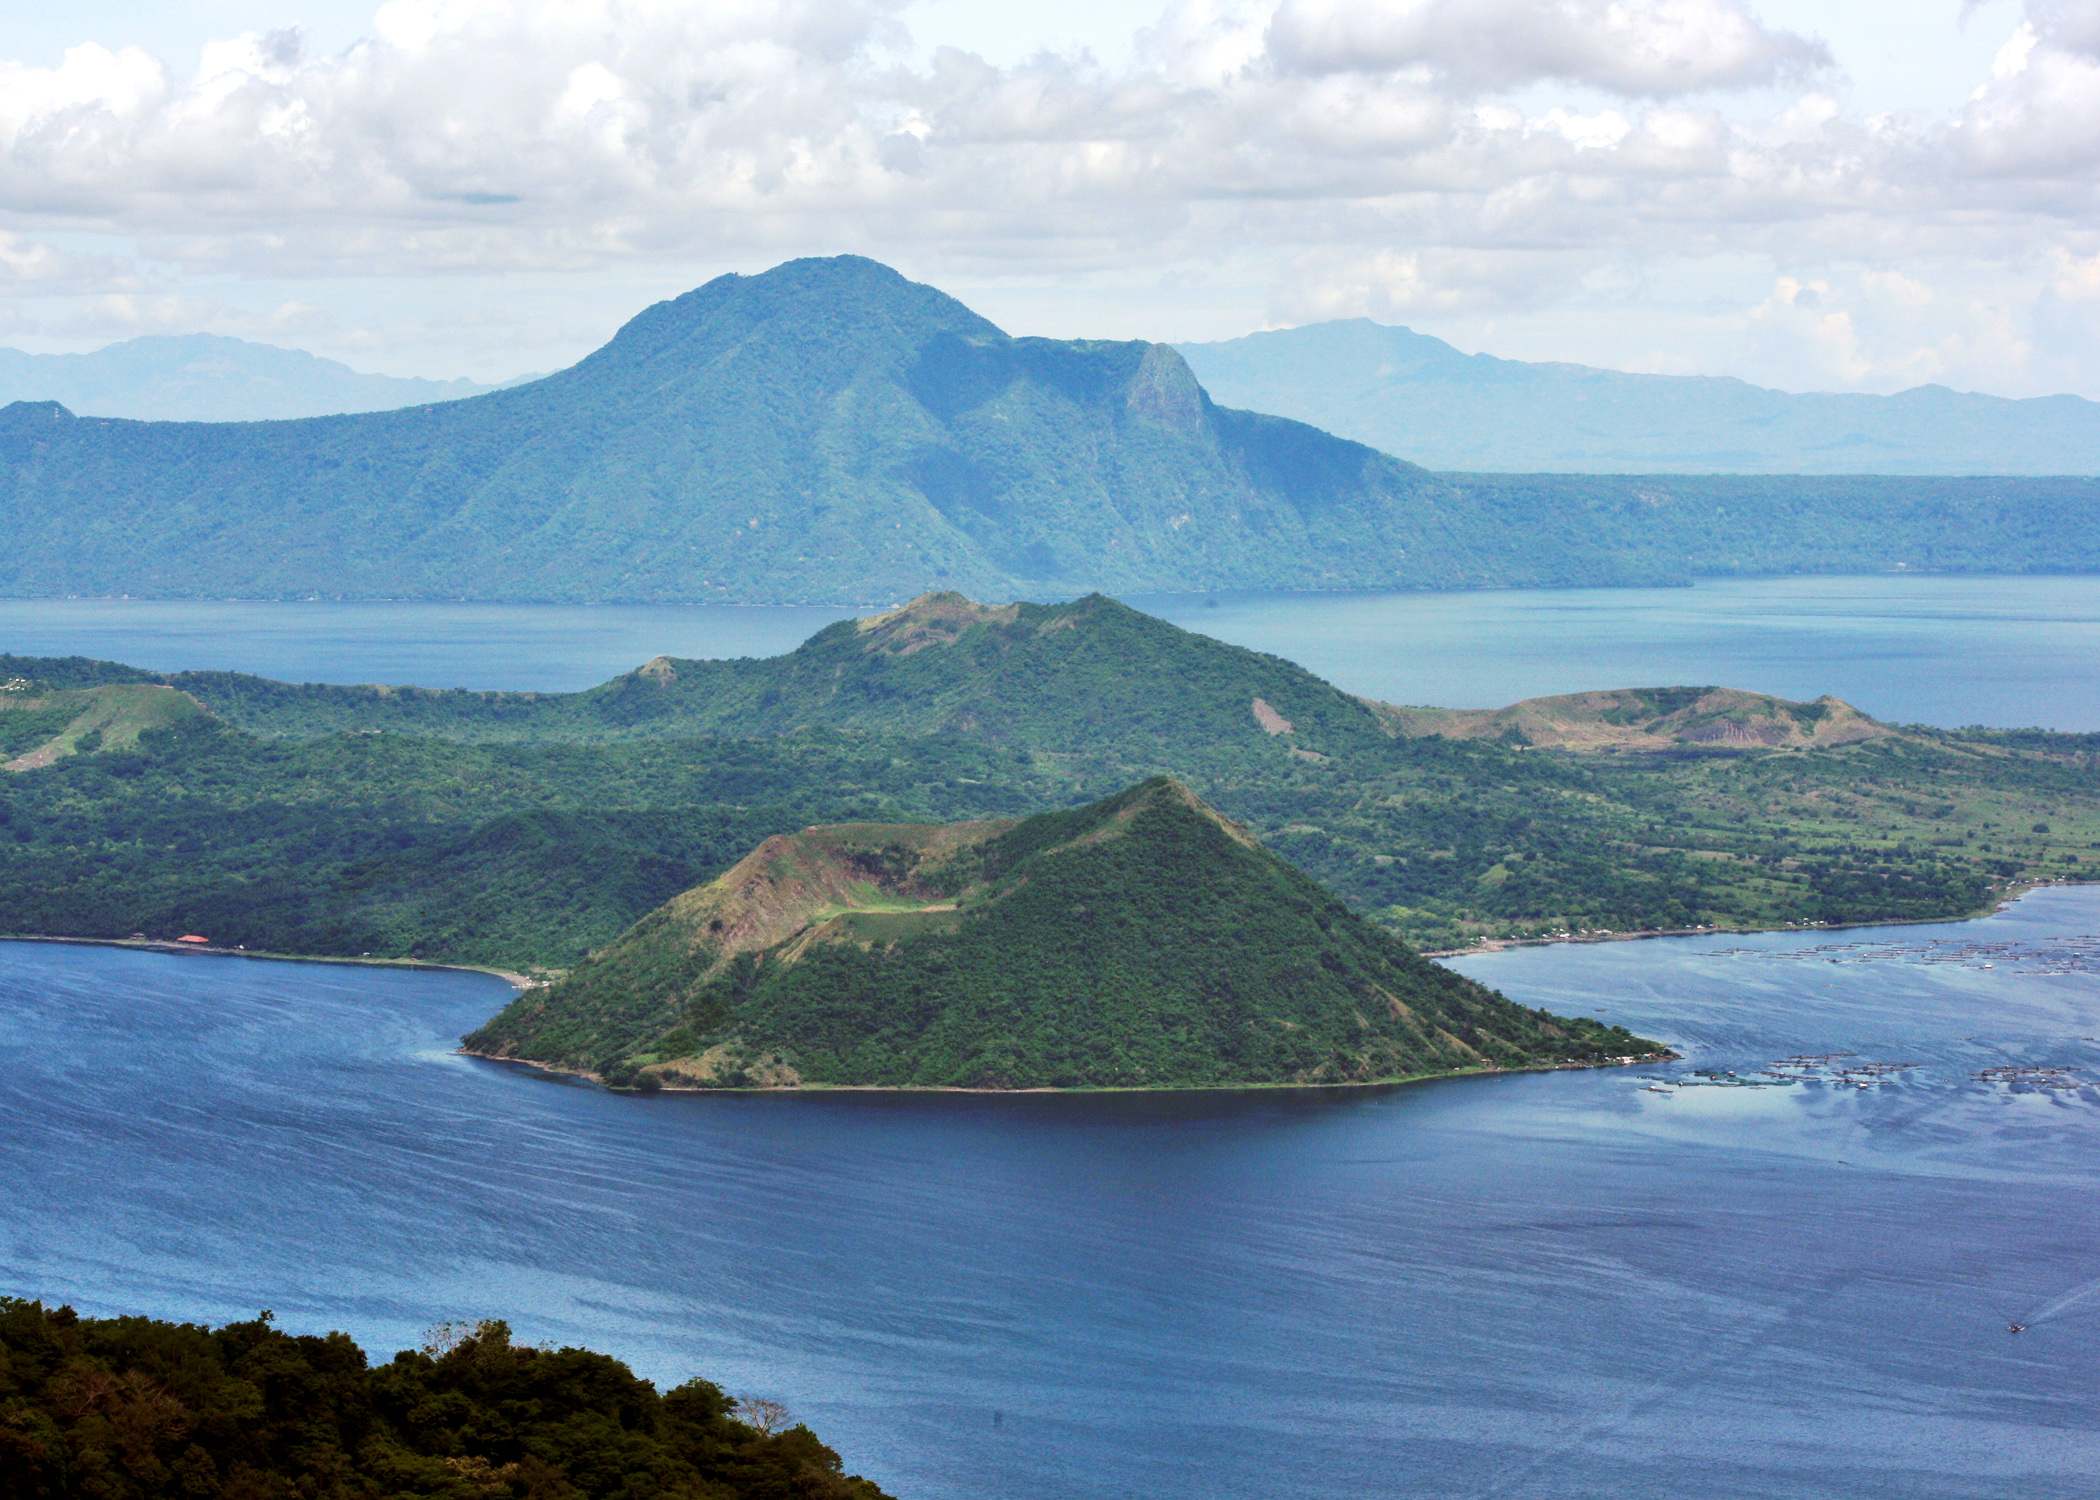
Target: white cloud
{"x": 559, "y": 132}
{"x": 31, "y": 267}
{"x": 1885, "y": 330}
{"x": 124, "y": 315}
{"x": 1390, "y": 286}
{"x": 1639, "y": 48}
{"x": 1404, "y": 158}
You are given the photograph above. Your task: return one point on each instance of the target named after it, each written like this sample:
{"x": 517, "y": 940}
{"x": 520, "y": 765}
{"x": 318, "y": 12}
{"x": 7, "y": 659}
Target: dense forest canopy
{"x": 133, "y": 1408}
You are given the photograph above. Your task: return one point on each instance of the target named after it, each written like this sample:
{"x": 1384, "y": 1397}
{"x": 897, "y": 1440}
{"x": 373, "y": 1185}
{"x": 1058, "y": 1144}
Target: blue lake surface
{"x": 1556, "y": 1285}
{"x": 1552, "y": 1285}
{"x": 1952, "y": 651}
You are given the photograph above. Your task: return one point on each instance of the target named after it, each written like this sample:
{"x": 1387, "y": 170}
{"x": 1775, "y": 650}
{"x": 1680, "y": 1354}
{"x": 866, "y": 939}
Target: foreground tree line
{"x": 117, "y": 1408}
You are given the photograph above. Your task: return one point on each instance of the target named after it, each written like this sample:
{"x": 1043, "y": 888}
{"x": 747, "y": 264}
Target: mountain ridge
{"x": 527, "y": 830}
{"x": 1056, "y": 678}
{"x": 203, "y": 377}
{"x": 830, "y": 431}
{"x": 1413, "y": 394}
{"x": 1648, "y": 719}
{"x": 1055, "y": 675}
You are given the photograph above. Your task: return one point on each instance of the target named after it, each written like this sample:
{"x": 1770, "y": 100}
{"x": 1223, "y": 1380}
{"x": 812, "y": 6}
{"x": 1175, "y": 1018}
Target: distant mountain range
{"x": 1402, "y": 392}
{"x": 831, "y": 432}
{"x": 200, "y": 377}
{"x": 1412, "y": 395}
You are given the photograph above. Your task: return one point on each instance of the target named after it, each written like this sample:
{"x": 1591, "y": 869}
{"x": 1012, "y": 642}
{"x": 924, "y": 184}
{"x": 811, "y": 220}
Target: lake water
{"x": 1556, "y": 1285}
{"x": 2001, "y": 651}
{"x": 1562, "y": 1285}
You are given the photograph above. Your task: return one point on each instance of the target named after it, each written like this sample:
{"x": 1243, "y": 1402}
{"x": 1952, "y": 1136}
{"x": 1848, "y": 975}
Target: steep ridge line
{"x": 829, "y": 431}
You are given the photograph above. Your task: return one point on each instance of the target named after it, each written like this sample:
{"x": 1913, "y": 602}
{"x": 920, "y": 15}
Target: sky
{"x": 1865, "y": 196}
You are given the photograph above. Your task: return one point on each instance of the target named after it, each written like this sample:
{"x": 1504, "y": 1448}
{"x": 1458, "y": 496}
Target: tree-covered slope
{"x": 133, "y": 1408}
{"x": 527, "y": 830}
{"x": 829, "y": 431}
{"x": 1138, "y": 941}
{"x": 1086, "y": 676}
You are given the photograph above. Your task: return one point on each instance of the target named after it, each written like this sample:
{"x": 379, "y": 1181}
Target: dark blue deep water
{"x": 1559, "y": 1285}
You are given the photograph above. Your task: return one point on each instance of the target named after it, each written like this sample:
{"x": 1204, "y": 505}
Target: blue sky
{"x": 1866, "y": 197}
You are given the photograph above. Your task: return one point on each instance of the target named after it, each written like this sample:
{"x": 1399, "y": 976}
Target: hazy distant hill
{"x": 1418, "y": 397}
{"x": 200, "y": 377}
{"x": 830, "y": 432}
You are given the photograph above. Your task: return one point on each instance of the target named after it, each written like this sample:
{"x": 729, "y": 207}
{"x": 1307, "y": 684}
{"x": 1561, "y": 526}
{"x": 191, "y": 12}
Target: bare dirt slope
{"x": 1646, "y": 719}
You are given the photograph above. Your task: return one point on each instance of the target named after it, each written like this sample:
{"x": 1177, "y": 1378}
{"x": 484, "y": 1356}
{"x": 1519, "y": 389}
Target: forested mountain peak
{"x": 1138, "y": 941}
{"x": 936, "y": 619}
{"x": 817, "y": 321}
{"x": 1087, "y": 676}
{"x": 831, "y": 432}
{"x": 1082, "y": 675}
{"x": 825, "y": 431}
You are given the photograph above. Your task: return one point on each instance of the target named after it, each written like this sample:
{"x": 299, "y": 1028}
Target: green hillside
{"x": 1083, "y": 677}
{"x": 41, "y": 722}
{"x": 1647, "y": 719}
{"x": 830, "y": 431}
{"x": 527, "y": 830}
{"x": 1138, "y": 941}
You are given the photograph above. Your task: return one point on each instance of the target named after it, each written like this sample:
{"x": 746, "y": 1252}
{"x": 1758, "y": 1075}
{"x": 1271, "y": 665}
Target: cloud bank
{"x": 1394, "y": 157}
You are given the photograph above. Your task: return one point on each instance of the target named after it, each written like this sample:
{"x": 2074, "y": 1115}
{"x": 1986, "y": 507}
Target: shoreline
{"x": 517, "y": 981}
{"x": 1998, "y": 903}
{"x": 1398, "y": 1080}
{"x": 522, "y": 983}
